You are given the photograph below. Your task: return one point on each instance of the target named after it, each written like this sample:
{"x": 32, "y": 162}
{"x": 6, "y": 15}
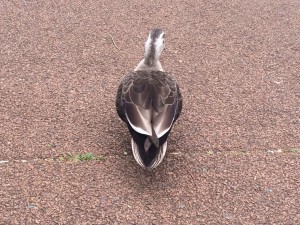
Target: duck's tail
{"x": 148, "y": 155}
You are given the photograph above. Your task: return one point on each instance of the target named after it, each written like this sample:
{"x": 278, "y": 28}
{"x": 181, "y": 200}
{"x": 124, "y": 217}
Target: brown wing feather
{"x": 149, "y": 101}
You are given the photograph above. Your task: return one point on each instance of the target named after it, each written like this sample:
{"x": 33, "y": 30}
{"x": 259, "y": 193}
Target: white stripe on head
{"x": 154, "y": 44}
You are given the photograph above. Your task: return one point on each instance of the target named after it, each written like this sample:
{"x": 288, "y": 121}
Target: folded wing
{"x": 151, "y": 102}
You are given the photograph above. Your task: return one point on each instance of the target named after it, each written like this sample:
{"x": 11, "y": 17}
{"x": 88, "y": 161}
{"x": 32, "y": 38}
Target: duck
{"x": 149, "y": 101}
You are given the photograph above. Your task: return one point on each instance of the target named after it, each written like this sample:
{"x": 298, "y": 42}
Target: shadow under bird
{"x": 149, "y": 102}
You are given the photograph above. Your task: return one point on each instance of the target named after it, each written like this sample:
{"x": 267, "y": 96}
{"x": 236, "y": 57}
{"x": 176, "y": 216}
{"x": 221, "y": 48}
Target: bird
{"x": 149, "y": 101}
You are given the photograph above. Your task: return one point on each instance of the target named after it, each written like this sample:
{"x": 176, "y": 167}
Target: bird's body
{"x": 149, "y": 102}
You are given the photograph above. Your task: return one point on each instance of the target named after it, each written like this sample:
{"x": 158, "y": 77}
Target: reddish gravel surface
{"x": 234, "y": 154}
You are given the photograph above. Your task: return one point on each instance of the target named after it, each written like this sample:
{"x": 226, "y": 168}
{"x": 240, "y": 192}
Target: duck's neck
{"x": 147, "y": 64}
{"x": 151, "y": 57}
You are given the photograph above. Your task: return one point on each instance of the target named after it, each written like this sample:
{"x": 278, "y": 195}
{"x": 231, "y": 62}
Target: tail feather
{"x": 154, "y": 138}
{"x": 151, "y": 140}
{"x": 151, "y": 158}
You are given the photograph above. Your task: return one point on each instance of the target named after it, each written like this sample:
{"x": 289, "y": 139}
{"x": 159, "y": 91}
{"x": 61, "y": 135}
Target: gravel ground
{"x": 233, "y": 155}
{"x": 189, "y": 188}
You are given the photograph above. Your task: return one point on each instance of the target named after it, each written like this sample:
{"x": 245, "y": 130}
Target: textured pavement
{"x": 234, "y": 154}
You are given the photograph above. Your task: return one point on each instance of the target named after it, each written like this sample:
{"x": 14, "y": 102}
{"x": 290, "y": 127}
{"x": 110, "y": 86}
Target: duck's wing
{"x": 167, "y": 104}
{"x": 137, "y": 97}
{"x": 149, "y": 102}
{"x": 179, "y": 103}
{"x": 119, "y": 103}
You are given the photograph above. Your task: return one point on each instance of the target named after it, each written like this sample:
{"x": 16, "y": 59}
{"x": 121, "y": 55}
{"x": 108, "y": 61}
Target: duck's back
{"x": 150, "y": 101}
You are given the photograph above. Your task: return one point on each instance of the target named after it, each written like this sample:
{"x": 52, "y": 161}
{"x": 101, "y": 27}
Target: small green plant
{"x": 86, "y": 156}
{"x": 79, "y": 157}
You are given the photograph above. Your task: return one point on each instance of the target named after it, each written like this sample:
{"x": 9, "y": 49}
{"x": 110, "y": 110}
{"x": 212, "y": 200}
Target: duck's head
{"x": 154, "y": 45}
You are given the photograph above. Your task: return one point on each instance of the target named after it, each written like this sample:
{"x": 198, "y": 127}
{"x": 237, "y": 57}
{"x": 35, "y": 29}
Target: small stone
{"x": 30, "y": 206}
{"x": 210, "y": 152}
{"x": 181, "y": 206}
{"x": 269, "y": 190}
